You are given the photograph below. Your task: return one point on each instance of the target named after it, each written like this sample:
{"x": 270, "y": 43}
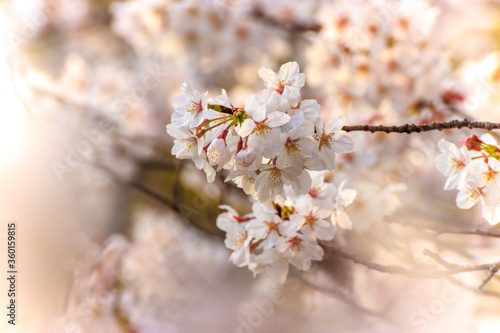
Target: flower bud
{"x": 472, "y": 143}
{"x": 218, "y": 153}
{"x": 245, "y": 158}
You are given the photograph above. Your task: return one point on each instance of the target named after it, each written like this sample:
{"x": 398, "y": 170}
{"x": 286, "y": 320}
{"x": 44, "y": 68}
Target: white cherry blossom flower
{"x": 190, "y": 108}
{"x": 272, "y": 179}
{"x": 300, "y": 250}
{"x": 343, "y": 199}
{"x": 296, "y": 147}
{"x": 312, "y": 220}
{"x": 452, "y": 163}
{"x": 186, "y": 144}
{"x": 288, "y": 76}
{"x": 331, "y": 141}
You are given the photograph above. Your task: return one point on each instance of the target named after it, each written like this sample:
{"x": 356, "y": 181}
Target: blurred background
{"x": 116, "y": 235}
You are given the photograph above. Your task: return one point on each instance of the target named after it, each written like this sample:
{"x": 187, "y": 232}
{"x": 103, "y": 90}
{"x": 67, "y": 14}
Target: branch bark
{"x": 413, "y": 128}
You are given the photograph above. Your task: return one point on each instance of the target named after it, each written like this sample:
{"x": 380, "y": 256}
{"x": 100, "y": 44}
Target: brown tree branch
{"x": 413, "y": 128}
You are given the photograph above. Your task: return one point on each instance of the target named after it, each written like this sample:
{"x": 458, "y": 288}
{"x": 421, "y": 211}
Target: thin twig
{"x": 460, "y": 268}
{"x": 414, "y": 273}
{"x": 493, "y": 270}
{"x": 451, "y": 230}
{"x": 474, "y": 290}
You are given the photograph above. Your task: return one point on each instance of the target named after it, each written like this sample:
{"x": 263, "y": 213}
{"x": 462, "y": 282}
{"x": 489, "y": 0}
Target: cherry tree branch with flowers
{"x": 279, "y": 151}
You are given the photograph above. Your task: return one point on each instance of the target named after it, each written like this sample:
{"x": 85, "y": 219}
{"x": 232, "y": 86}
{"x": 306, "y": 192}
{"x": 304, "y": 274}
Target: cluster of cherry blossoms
{"x": 473, "y": 170}
{"x": 287, "y": 232}
{"x": 267, "y": 146}
{"x": 384, "y": 58}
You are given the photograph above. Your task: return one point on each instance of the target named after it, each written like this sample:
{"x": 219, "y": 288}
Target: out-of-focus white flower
{"x": 343, "y": 199}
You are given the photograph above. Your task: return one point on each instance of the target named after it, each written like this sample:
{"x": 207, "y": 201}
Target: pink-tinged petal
{"x": 210, "y": 172}
{"x": 304, "y": 206}
{"x": 269, "y": 77}
{"x": 477, "y": 167}
{"x": 334, "y": 125}
{"x": 277, "y": 272}
{"x": 178, "y": 132}
{"x": 299, "y": 132}
{"x": 328, "y": 157}
{"x": 274, "y": 102}
{"x": 324, "y": 230}
{"x": 348, "y": 195}
{"x": 192, "y": 94}
{"x": 246, "y": 128}
{"x": 494, "y": 164}
{"x": 288, "y": 71}
{"x": 292, "y": 95}
{"x": 319, "y": 126}
{"x": 445, "y": 146}
{"x": 495, "y": 216}
{"x": 238, "y": 257}
{"x": 467, "y": 198}
{"x": 275, "y": 119}
{"x": 304, "y": 183}
{"x": 442, "y": 164}
{"x": 342, "y": 220}
{"x": 298, "y": 81}
{"x": 259, "y": 114}
{"x": 453, "y": 182}
{"x": 311, "y": 108}
{"x": 342, "y": 144}
{"x": 180, "y": 103}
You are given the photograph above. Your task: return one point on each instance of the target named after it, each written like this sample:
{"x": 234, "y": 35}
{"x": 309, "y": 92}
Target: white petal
{"x": 334, "y": 125}
{"x": 268, "y": 76}
{"x": 467, "y": 198}
{"x": 343, "y": 220}
{"x": 275, "y": 119}
{"x": 246, "y": 128}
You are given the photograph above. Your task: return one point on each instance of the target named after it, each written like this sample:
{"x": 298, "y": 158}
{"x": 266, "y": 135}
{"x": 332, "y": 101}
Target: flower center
{"x": 325, "y": 140}
{"x": 194, "y": 107}
{"x": 455, "y": 164}
{"x": 295, "y": 243}
{"x": 275, "y": 176}
{"x": 292, "y": 147}
{"x": 281, "y": 86}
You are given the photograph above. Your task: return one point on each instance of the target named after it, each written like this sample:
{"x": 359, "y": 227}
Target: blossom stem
{"x": 203, "y": 132}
